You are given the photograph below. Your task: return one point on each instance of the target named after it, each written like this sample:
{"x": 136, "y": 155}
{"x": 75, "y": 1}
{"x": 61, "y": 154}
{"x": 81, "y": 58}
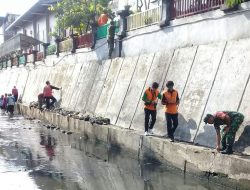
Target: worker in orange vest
{"x": 150, "y": 97}
{"x": 171, "y": 100}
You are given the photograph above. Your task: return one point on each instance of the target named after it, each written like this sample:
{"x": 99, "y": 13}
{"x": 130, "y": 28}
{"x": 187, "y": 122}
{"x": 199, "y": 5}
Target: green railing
{"x": 102, "y": 31}
{"x": 5, "y": 64}
{"x": 21, "y": 60}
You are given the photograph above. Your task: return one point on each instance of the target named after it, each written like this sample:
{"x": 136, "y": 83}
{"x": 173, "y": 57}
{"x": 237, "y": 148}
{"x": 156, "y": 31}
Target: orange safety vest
{"x": 171, "y": 98}
{"x": 47, "y": 91}
{"x": 151, "y": 97}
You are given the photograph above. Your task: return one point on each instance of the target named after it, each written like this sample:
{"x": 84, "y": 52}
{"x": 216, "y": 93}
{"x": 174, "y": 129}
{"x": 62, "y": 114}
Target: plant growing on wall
{"x": 233, "y": 3}
{"x": 148, "y": 20}
{"x": 77, "y": 15}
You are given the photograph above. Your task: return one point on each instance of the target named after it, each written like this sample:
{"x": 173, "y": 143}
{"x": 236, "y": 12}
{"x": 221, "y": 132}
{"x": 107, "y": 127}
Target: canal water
{"x": 33, "y": 157}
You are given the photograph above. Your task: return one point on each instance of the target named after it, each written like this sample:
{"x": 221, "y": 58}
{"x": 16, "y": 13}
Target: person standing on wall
{"x": 111, "y": 38}
{"x": 47, "y": 94}
{"x": 10, "y": 104}
{"x": 150, "y": 97}
{"x": 171, "y": 100}
{"x": 231, "y": 121}
{"x": 1, "y": 101}
{"x": 15, "y": 93}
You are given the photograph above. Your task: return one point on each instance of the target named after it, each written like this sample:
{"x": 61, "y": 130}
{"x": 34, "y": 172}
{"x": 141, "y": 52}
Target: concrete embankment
{"x": 187, "y": 157}
{"x": 208, "y": 77}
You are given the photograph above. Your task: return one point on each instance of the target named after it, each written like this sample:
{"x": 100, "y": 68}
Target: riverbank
{"x": 182, "y": 155}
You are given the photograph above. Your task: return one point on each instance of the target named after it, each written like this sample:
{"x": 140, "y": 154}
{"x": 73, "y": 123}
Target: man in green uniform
{"x": 231, "y": 121}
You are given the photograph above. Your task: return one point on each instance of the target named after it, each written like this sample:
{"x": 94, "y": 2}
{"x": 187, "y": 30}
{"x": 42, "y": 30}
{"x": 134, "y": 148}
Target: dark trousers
{"x": 172, "y": 123}
{"x": 48, "y": 103}
{"x": 150, "y": 118}
{"x": 16, "y": 97}
{"x": 10, "y": 109}
{"x": 111, "y": 43}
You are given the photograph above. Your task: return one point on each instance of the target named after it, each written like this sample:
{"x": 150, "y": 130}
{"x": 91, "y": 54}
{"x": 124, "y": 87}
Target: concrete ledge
{"x": 182, "y": 155}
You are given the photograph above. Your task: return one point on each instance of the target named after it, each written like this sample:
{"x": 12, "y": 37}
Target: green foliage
{"x": 232, "y": 3}
{"x": 51, "y": 49}
{"x": 148, "y": 20}
{"x": 78, "y": 15}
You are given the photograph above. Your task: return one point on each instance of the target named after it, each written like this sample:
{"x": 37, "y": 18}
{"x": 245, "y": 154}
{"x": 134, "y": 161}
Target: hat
{"x": 170, "y": 83}
{"x": 207, "y": 118}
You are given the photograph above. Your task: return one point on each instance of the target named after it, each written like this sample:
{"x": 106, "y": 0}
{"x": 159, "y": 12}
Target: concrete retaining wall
{"x": 208, "y": 77}
{"x": 189, "y": 158}
{"x": 210, "y": 27}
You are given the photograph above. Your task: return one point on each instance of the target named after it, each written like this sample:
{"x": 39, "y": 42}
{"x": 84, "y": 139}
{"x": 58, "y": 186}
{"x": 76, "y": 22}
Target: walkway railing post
{"x": 45, "y": 47}
{"x": 166, "y": 12}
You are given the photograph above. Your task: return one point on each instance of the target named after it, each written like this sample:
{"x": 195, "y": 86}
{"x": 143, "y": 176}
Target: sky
{"x": 15, "y": 6}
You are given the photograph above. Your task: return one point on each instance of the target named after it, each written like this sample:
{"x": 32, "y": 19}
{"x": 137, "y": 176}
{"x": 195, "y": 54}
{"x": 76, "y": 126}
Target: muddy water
{"x": 33, "y": 157}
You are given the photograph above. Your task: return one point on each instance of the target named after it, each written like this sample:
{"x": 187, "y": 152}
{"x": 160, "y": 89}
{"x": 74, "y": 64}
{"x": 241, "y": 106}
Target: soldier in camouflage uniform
{"x": 230, "y": 122}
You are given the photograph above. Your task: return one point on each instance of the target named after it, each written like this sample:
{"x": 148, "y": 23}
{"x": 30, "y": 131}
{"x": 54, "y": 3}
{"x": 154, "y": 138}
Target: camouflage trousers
{"x": 229, "y": 137}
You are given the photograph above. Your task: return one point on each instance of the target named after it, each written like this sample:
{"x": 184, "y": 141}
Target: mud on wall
{"x": 209, "y": 78}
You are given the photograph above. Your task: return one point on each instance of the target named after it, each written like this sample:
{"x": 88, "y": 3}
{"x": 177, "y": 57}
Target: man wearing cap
{"x": 150, "y": 101}
{"x": 231, "y": 122}
{"x": 171, "y": 100}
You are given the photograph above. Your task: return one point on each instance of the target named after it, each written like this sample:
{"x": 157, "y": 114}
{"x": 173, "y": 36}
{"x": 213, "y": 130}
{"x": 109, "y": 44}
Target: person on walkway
{"x": 171, "y": 100}
{"x": 15, "y": 93}
{"x": 111, "y": 38}
{"x": 1, "y": 101}
{"x": 150, "y": 98}
{"x": 47, "y": 94}
{"x": 230, "y": 122}
{"x": 5, "y": 102}
{"x": 10, "y": 104}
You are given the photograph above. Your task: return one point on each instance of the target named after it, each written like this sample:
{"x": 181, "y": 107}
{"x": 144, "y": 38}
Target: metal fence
{"x": 141, "y": 19}
{"x": 184, "y": 8}
{"x": 84, "y": 41}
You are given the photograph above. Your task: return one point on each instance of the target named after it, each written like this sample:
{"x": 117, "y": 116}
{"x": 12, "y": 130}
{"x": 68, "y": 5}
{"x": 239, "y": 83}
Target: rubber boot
{"x": 224, "y": 146}
{"x": 228, "y": 150}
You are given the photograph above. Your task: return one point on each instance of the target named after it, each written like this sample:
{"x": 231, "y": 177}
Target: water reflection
{"x": 49, "y": 143}
{"x": 51, "y": 160}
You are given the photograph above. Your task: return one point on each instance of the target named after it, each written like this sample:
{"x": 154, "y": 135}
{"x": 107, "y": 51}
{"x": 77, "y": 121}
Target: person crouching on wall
{"x": 47, "y": 94}
{"x": 150, "y": 97}
{"x": 226, "y": 124}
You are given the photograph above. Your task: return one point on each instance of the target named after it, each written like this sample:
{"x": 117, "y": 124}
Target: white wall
{"x": 1, "y": 35}
{"x": 52, "y": 23}
{"x": 210, "y": 27}
{"x": 41, "y": 28}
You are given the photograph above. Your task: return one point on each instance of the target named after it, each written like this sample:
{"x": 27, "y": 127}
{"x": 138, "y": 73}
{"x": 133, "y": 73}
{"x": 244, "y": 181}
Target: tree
{"x": 78, "y": 15}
